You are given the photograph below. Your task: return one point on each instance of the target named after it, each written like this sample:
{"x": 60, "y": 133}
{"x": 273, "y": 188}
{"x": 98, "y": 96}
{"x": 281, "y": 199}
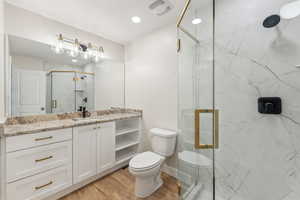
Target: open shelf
{"x": 126, "y": 144}
{"x": 126, "y": 131}
{"x": 125, "y": 158}
{"x": 127, "y": 124}
{"x": 126, "y": 154}
{"x": 127, "y": 139}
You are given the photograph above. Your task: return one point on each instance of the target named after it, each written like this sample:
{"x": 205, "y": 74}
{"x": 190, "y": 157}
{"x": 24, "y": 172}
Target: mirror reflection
{"x": 44, "y": 81}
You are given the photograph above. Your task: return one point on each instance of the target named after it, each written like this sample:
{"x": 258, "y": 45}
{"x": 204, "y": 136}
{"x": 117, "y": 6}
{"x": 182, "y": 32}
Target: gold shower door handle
{"x": 215, "y": 128}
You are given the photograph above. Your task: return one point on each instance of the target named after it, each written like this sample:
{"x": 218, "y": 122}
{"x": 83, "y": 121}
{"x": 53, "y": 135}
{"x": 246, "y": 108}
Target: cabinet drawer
{"x": 28, "y": 162}
{"x": 32, "y": 140}
{"x": 40, "y": 186}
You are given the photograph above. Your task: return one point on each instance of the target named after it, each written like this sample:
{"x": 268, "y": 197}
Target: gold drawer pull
{"x": 42, "y": 186}
{"x": 43, "y": 159}
{"x": 44, "y": 138}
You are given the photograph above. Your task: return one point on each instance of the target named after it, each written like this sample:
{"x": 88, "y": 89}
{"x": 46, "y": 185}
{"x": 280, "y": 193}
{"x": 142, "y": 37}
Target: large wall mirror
{"x": 41, "y": 81}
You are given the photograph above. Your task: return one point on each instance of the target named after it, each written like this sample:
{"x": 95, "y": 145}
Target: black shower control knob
{"x": 269, "y": 105}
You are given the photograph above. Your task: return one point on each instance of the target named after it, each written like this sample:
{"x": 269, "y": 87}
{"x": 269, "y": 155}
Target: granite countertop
{"x": 39, "y": 126}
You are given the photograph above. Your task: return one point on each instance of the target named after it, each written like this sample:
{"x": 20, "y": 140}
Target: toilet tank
{"x": 163, "y": 141}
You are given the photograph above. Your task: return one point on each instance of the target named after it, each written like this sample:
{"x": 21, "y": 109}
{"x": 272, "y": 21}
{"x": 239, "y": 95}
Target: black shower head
{"x": 271, "y": 21}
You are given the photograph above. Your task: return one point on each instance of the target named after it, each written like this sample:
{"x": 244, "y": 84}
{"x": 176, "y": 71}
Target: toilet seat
{"x": 145, "y": 161}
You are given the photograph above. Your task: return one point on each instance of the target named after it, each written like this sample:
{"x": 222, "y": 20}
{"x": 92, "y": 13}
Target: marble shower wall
{"x": 259, "y": 155}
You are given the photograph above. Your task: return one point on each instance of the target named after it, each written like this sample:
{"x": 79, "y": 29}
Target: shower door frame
{"x": 215, "y": 113}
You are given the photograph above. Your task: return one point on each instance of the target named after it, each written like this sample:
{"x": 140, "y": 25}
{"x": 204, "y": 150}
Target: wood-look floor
{"x": 120, "y": 186}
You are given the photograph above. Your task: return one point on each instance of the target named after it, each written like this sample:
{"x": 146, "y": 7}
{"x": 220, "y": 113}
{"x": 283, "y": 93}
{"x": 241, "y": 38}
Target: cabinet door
{"x": 84, "y": 152}
{"x": 105, "y": 146}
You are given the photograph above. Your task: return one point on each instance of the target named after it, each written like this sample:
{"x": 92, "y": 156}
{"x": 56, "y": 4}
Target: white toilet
{"x": 146, "y": 166}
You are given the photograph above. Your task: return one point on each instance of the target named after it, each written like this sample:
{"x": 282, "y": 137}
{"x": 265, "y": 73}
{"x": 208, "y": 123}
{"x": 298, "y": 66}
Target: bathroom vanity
{"x": 47, "y": 149}
{"x": 47, "y": 159}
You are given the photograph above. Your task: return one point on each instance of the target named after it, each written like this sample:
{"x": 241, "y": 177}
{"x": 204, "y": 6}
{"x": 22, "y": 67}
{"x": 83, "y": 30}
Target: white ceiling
{"x": 110, "y": 19}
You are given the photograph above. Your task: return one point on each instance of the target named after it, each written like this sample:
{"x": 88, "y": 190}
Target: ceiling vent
{"x": 160, "y": 7}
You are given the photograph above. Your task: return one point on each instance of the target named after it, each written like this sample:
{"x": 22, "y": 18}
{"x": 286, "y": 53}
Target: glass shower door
{"x": 63, "y": 92}
{"x": 197, "y": 119}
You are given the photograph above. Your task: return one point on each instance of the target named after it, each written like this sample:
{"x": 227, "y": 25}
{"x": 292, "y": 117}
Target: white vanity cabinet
{"x": 94, "y": 150}
{"x": 84, "y": 152}
{"x": 51, "y": 164}
{"x": 37, "y": 165}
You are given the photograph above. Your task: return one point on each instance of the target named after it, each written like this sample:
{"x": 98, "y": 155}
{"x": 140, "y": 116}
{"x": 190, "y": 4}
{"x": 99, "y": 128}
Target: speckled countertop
{"x": 15, "y": 128}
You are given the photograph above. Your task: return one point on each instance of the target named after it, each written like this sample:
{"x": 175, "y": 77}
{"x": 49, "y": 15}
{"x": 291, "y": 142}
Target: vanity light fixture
{"x": 197, "y": 21}
{"x": 75, "y": 48}
{"x": 136, "y": 19}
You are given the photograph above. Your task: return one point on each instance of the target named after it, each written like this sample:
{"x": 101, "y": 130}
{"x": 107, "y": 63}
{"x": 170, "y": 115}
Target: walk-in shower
{"x": 68, "y": 91}
{"x": 229, "y": 149}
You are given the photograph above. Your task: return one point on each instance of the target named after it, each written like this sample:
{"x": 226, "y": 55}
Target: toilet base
{"x": 146, "y": 186}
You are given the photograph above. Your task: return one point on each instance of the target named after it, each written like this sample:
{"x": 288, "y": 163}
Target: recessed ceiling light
{"x": 74, "y": 60}
{"x": 136, "y": 19}
{"x": 197, "y": 21}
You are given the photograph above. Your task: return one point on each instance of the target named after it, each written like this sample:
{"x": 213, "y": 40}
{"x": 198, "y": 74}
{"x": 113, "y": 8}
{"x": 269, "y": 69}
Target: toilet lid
{"x": 145, "y": 160}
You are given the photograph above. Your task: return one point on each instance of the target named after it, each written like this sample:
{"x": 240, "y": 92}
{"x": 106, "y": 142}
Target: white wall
{"x": 151, "y": 79}
{"x": 27, "y": 63}
{"x": 25, "y": 24}
{"x": 109, "y": 85}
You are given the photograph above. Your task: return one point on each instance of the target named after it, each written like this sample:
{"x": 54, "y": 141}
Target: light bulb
{"x": 86, "y": 55}
{"x": 90, "y": 52}
{"x": 98, "y": 54}
{"x": 59, "y": 47}
{"x": 97, "y": 58}
{"x": 75, "y": 50}
{"x": 101, "y": 52}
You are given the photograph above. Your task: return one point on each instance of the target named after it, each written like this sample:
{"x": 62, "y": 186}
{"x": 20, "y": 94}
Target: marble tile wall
{"x": 259, "y": 154}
